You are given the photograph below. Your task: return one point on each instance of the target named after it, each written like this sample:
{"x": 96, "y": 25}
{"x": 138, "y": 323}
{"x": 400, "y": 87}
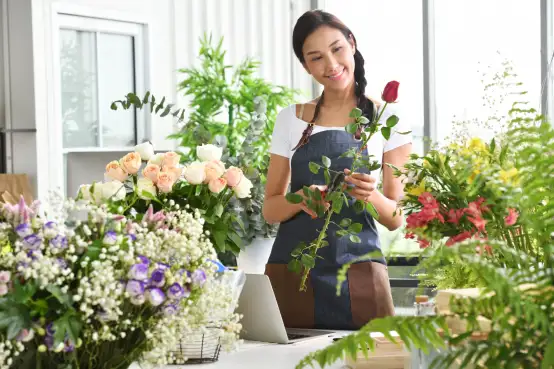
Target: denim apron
{"x": 366, "y": 293}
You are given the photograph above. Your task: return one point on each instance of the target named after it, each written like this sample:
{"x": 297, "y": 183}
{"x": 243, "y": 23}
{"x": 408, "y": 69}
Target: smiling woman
{"x": 304, "y": 133}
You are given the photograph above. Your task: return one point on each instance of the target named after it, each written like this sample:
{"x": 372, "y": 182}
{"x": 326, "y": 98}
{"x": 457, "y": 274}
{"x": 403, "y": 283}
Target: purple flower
{"x": 198, "y": 277}
{"x": 157, "y": 278}
{"x": 61, "y": 263}
{"x": 69, "y": 347}
{"x": 138, "y": 272}
{"x": 181, "y": 272}
{"x": 175, "y": 292}
{"x": 131, "y": 238}
{"x": 144, "y": 260}
{"x": 162, "y": 266}
{"x": 24, "y": 230}
{"x": 58, "y": 242}
{"x": 135, "y": 288}
{"x": 155, "y": 296}
{"x": 170, "y": 309}
{"x": 49, "y": 342}
{"x": 32, "y": 242}
{"x": 50, "y": 229}
{"x": 110, "y": 238}
{"x": 33, "y": 254}
{"x": 138, "y": 300}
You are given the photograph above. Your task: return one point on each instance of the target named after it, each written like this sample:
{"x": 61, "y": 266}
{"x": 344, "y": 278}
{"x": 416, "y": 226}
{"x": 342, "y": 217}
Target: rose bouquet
{"x": 84, "y": 288}
{"x": 142, "y": 178}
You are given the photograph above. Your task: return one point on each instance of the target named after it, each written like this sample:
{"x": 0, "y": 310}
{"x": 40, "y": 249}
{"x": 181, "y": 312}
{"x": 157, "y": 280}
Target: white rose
{"x": 242, "y": 190}
{"x": 209, "y": 152}
{"x": 156, "y": 159}
{"x": 113, "y": 190}
{"x": 84, "y": 191}
{"x": 195, "y": 173}
{"x": 145, "y": 150}
{"x": 145, "y": 185}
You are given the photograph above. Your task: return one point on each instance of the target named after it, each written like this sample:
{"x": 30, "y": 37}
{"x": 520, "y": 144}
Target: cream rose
{"x": 214, "y": 169}
{"x": 195, "y": 173}
{"x": 113, "y": 190}
{"x": 157, "y": 159}
{"x": 146, "y": 185}
{"x": 131, "y": 163}
{"x": 151, "y": 172}
{"x": 217, "y": 185}
{"x": 115, "y": 172}
{"x": 171, "y": 159}
{"x": 176, "y": 171}
{"x": 209, "y": 152}
{"x": 233, "y": 175}
{"x": 242, "y": 190}
{"x": 165, "y": 182}
{"x": 145, "y": 150}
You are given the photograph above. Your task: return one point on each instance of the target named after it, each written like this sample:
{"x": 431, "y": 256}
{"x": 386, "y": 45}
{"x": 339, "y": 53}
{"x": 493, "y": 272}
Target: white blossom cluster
{"x": 9, "y": 351}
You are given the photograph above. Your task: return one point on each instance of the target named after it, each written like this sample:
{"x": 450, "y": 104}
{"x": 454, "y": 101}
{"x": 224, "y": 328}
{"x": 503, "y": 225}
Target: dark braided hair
{"x": 308, "y": 23}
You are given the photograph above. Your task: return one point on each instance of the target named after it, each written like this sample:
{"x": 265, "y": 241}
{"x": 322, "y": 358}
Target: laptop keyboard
{"x": 295, "y": 336}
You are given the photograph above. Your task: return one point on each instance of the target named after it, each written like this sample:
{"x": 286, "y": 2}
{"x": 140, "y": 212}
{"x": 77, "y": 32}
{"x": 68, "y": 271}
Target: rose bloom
{"x": 165, "y": 182}
{"x": 233, "y": 175}
{"x": 114, "y": 172}
{"x": 208, "y": 152}
{"x": 176, "y": 171}
{"x": 195, "y": 173}
{"x": 217, "y": 185}
{"x": 214, "y": 169}
{"x": 242, "y": 190}
{"x": 151, "y": 172}
{"x": 131, "y": 163}
{"x": 171, "y": 159}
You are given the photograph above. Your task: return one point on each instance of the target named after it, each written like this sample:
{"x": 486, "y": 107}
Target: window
{"x": 100, "y": 61}
{"x": 473, "y": 37}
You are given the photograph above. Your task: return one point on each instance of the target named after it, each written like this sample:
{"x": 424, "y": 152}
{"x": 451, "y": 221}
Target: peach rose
{"x": 171, "y": 159}
{"x": 114, "y": 172}
{"x": 233, "y": 176}
{"x": 165, "y": 182}
{"x": 151, "y": 172}
{"x": 176, "y": 171}
{"x": 131, "y": 163}
{"x": 214, "y": 169}
{"x": 217, "y": 185}
{"x": 195, "y": 173}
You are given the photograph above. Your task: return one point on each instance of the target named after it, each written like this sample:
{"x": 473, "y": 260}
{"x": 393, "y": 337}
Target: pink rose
{"x": 171, "y": 159}
{"x": 217, "y": 185}
{"x": 233, "y": 176}
{"x": 151, "y": 172}
{"x": 165, "y": 182}
{"x": 214, "y": 169}
{"x": 131, "y": 163}
{"x": 115, "y": 173}
{"x": 176, "y": 171}
{"x": 511, "y": 218}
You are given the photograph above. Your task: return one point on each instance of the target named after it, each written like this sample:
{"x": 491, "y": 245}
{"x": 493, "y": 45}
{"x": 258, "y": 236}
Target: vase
{"x": 253, "y": 259}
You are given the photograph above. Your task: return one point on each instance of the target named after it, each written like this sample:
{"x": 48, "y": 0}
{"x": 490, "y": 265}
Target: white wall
{"x": 258, "y": 28}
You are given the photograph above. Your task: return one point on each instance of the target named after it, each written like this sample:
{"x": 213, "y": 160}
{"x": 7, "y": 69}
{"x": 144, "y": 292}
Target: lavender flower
{"x": 110, "y": 238}
{"x": 5, "y": 276}
{"x": 69, "y": 347}
{"x": 50, "y": 229}
{"x": 32, "y": 242}
{"x": 198, "y": 277}
{"x": 138, "y": 300}
{"x": 131, "y": 238}
{"x": 58, "y": 242}
{"x": 24, "y": 230}
{"x": 135, "y": 288}
{"x": 49, "y": 342}
{"x": 176, "y": 292}
{"x": 138, "y": 272}
{"x": 50, "y": 329}
{"x": 144, "y": 260}
{"x": 157, "y": 279}
{"x": 170, "y": 309}
{"x": 33, "y": 254}
{"x": 155, "y": 296}
{"x": 162, "y": 266}
{"x": 61, "y": 263}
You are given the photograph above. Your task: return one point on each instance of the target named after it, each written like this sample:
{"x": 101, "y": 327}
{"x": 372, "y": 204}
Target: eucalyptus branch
{"x": 132, "y": 100}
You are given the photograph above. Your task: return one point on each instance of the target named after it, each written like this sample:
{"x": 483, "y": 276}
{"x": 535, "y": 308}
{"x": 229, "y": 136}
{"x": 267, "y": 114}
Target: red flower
{"x": 409, "y": 236}
{"x": 415, "y": 221}
{"x": 458, "y": 238}
{"x": 454, "y": 215}
{"x": 390, "y": 93}
{"x": 478, "y": 222}
{"x": 511, "y": 218}
{"x": 423, "y": 243}
{"x": 427, "y": 200}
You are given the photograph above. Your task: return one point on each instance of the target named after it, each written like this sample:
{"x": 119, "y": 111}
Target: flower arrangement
{"x": 142, "y": 178}
{"x": 84, "y": 287}
{"x": 336, "y": 195}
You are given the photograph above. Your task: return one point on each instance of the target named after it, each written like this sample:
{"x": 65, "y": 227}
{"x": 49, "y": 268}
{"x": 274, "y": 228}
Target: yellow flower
{"x": 508, "y": 176}
{"x": 417, "y": 190}
{"x": 476, "y": 145}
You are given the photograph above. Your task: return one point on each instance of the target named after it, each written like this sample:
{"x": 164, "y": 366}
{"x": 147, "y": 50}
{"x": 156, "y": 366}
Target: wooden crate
{"x": 387, "y": 355}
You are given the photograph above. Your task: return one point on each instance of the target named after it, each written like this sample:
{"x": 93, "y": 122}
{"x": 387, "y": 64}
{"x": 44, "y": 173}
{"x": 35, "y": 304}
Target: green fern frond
{"x": 132, "y": 100}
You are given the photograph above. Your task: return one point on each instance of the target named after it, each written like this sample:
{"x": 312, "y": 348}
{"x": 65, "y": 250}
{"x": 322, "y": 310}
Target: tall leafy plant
{"x": 221, "y": 101}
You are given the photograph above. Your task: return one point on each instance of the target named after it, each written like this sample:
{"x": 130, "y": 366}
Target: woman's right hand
{"x": 303, "y": 204}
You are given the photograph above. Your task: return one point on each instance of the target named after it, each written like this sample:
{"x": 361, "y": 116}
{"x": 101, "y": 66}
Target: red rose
{"x": 390, "y": 93}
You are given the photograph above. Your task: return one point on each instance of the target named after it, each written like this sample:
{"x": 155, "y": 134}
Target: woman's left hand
{"x": 364, "y": 185}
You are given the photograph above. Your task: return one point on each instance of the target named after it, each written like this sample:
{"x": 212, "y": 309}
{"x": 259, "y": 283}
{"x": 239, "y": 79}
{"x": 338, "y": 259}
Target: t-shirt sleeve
{"x": 280, "y": 139}
{"x": 397, "y": 139}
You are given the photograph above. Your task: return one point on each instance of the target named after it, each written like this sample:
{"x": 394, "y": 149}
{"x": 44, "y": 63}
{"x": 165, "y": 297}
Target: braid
{"x": 317, "y": 108}
{"x": 364, "y": 104}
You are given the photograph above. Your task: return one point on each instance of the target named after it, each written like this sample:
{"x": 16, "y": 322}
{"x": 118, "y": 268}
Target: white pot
{"x": 253, "y": 258}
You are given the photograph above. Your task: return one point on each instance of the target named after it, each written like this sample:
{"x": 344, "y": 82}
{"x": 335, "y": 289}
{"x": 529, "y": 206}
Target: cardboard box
{"x": 13, "y": 186}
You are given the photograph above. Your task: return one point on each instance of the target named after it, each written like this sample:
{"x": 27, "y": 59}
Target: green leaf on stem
{"x": 198, "y": 190}
{"x": 392, "y": 121}
{"x": 298, "y": 249}
{"x": 233, "y": 236}
{"x": 337, "y": 206}
{"x": 69, "y": 324}
{"x": 492, "y": 146}
{"x": 355, "y": 113}
{"x": 314, "y": 167}
{"x": 372, "y": 210}
{"x": 23, "y": 292}
{"x": 362, "y": 120}
{"x": 359, "y": 206}
{"x": 219, "y": 238}
{"x": 308, "y": 261}
{"x": 355, "y": 228}
{"x": 354, "y": 238}
{"x": 345, "y": 223}
{"x": 326, "y": 161}
{"x": 93, "y": 250}
{"x": 351, "y": 128}
{"x": 63, "y": 298}
{"x": 327, "y": 176}
{"x": 294, "y": 198}
{"x": 218, "y": 210}
{"x": 295, "y": 266}
{"x": 342, "y": 233}
{"x": 385, "y": 131}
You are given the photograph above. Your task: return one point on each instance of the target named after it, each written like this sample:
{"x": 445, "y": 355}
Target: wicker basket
{"x": 200, "y": 347}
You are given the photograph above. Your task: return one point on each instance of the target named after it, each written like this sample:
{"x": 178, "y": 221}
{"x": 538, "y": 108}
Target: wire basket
{"x": 200, "y": 347}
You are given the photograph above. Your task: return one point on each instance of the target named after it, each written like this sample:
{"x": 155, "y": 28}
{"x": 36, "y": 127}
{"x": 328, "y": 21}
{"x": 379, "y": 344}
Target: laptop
{"x": 262, "y": 319}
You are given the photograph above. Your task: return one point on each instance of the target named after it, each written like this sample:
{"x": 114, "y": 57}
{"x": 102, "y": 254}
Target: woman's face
{"x": 329, "y": 58}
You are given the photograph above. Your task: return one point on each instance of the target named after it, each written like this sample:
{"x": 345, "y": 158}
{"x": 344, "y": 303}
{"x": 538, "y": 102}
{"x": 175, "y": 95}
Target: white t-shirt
{"x": 288, "y": 131}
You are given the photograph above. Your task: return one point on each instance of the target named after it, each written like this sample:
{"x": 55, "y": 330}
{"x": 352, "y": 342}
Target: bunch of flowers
{"x": 102, "y": 290}
{"x": 142, "y": 178}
